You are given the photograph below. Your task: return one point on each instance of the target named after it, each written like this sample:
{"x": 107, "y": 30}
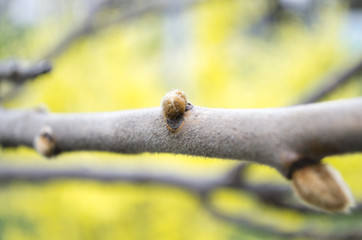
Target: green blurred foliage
{"x": 123, "y": 68}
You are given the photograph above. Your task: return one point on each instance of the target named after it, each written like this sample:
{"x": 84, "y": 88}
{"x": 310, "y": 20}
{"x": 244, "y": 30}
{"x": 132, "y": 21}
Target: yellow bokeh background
{"x": 123, "y": 67}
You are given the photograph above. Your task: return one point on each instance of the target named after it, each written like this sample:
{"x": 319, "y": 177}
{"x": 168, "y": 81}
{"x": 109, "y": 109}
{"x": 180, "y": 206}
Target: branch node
{"x": 174, "y": 105}
{"x": 322, "y": 187}
{"x": 45, "y": 143}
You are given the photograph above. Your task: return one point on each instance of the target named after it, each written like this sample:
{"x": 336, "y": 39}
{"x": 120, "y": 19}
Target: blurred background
{"x": 110, "y": 55}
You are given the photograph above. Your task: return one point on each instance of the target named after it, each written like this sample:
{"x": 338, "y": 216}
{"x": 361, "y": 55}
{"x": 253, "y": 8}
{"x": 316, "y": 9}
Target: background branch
{"x": 202, "y": 186}
{"x": 308, "y": 233}
{"x": 128, "y": 12}
{"x": 11, "y": 172}
{"x": 18, "y": 72}
{"x": 333, "y": 82}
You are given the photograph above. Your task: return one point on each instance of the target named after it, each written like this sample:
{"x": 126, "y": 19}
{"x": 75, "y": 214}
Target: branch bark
{"x": 277, "y": 137}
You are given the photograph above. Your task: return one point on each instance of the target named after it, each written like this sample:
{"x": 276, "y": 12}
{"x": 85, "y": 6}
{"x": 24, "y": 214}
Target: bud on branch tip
{"x": 322, "y": 187}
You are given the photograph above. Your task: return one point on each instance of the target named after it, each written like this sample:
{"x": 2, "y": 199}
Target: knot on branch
{"x": 45, "y": 143}
{"x": 174, "y": 105}
{"x": 322, "y": 187}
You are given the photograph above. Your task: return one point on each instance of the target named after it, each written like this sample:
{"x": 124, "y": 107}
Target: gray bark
{"x": 276, "y": 137}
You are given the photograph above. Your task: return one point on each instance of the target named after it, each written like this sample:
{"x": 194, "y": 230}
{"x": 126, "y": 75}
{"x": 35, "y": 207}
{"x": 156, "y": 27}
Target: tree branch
{"x": 275, "y": 137}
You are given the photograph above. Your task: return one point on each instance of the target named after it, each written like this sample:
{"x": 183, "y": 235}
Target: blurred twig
{"x": 18, "y": 73}
{"x": 332, "y": 83}
{"x": 203, "y": 186}
{"x": 83, "y": 29}
{"x": 90, "y": 25}
{"x": 246, "y": 222}
{"x": 10, "y": 172}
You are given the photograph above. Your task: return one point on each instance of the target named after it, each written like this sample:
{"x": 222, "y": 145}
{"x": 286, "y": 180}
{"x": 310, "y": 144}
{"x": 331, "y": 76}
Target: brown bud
{"x": 174, "y": 104}
{"x": 322, "y": 187}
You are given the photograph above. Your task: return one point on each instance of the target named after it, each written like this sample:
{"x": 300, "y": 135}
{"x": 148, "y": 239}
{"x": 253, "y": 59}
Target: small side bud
{"x": 174, "y": 104}
{"x": 322, "y": 187}
{"x": 45, "y": 143}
